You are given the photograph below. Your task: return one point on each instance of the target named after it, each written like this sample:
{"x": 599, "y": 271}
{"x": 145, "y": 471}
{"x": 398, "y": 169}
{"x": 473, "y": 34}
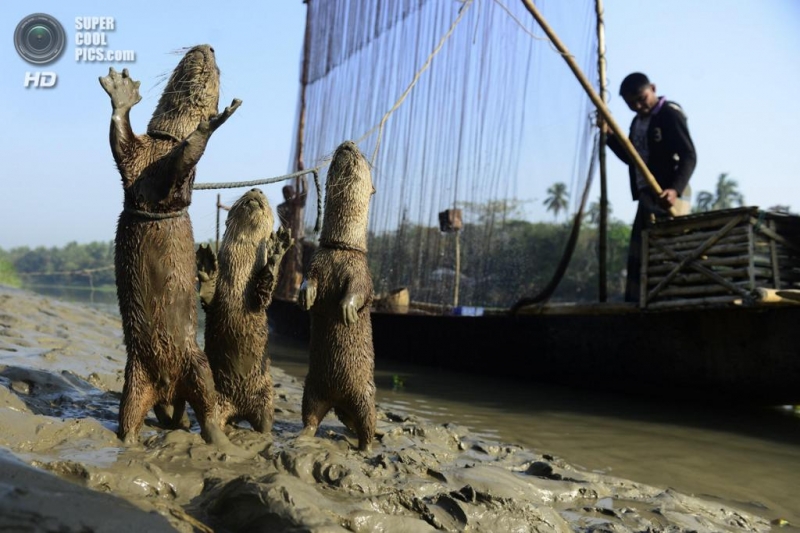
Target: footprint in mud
{"x": 63, "y": 395}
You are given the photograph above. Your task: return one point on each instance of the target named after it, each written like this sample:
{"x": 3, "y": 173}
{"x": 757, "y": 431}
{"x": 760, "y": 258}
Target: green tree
{"x": 8, "y": 274}
{"x": 557, "y": 198}
{"x": 725, "y": 196}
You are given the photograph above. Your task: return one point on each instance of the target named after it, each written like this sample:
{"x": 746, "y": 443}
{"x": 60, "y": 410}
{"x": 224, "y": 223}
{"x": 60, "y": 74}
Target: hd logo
{"x": 40, "y": 39}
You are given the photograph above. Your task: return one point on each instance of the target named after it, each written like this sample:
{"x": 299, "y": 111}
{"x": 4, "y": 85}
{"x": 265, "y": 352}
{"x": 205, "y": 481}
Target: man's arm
{"x": 676, "y": 134}
{"x": 616, "y": 146}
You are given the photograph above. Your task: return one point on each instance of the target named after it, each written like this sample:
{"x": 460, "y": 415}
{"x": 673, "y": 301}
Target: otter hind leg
{"x": 263, "y": 402}
{"x": 262, "y": 415}
{"x": 262, "y": 421}
{"x": 138, "y": 396}
{"x": 364, "y": 420}
{"x": 198, "y": 388}
{"x": 172, "y": 416}
{"x": 345, "y": 418}
{"x": 314, "y": 410}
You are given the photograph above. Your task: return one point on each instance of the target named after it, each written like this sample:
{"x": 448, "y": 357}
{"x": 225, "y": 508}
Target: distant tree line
{"x": 503, "y": 258}
{"x": 499, "y": 263}
{"x": 726, "y": 195}
{"x": 89, "y": 265}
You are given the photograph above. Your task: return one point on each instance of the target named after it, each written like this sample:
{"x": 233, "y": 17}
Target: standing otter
{"x": 235, "y": 294}
{"x": 154, "y": 246}
{"x": 338, "y": 292}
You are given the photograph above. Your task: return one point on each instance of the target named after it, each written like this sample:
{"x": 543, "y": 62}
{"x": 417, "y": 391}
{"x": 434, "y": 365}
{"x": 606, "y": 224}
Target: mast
{"x": 301, "y": 125}
{"x": 599, "y": 104}
{"x": 602, "y": 248}
{"x": 291, "y": 211}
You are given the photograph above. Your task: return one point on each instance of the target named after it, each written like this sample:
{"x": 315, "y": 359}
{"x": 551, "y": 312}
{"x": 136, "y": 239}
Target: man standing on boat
{"x": 660, "y": 135}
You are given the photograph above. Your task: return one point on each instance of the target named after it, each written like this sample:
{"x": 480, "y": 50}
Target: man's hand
{"x": 668, "y": 198}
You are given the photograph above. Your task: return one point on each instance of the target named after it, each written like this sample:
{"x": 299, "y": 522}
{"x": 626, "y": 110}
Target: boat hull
{"x": 732, "y": 354}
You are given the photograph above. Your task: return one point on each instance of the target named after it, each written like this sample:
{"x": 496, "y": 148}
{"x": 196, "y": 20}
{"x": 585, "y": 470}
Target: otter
{"x": 235, "y": 292}
{"x": 154, "y": 254}
{"x": 338, "y": 292}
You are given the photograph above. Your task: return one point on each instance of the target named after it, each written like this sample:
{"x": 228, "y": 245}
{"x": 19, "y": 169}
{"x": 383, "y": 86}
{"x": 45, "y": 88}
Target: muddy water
{"x": 745, "y": 458}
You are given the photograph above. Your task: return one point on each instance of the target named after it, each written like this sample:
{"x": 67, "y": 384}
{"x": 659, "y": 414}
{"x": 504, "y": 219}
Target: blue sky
{"x": 734, "y": 69}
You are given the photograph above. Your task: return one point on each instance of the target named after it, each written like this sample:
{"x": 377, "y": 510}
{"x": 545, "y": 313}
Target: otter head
{"x": 249, "y": 221}
{"x": 348, "y": 190}
{"x": 191, "y": 95}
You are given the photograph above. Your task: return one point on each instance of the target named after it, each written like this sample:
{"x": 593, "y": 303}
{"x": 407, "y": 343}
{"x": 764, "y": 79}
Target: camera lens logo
{"x": 39, "y": 39}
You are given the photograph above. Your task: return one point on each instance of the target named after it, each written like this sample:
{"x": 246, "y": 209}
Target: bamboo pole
{"x": 301, "y": 124}
{"x": 602, "y": 248}
{"x": 458, "y": 269}
{"x": 219, "y": 204}
{"x": 599, "y": 104}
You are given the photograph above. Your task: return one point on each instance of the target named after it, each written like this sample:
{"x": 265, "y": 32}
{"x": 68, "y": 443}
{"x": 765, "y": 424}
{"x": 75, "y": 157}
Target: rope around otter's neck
{"x": 159, "y": 134}
{"x": 338, "y": 245}
{"x": 154, "y": 216}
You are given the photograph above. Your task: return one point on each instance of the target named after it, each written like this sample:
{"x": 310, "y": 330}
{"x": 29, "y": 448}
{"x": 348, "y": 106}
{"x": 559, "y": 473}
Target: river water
{"x": 747, "y": 458}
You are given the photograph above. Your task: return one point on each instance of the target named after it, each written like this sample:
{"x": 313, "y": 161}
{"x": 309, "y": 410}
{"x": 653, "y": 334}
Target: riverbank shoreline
{"x": 61, "y": 368}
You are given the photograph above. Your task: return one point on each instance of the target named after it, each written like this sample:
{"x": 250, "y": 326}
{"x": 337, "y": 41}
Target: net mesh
{"x": 492, "y": 118}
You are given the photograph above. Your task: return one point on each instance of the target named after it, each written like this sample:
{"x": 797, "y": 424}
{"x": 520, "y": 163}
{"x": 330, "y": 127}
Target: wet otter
{"x": 154, "y": 245}
{"x": 338, "y": 292}
{"x": 235, "y": 293}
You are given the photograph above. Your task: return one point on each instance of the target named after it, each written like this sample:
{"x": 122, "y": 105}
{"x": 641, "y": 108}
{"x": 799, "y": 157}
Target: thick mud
{"x": 62, "y": 467}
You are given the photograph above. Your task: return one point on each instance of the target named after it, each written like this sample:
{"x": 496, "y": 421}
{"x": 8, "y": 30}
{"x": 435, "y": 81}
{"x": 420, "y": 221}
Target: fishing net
{"x": 457, "y": 105}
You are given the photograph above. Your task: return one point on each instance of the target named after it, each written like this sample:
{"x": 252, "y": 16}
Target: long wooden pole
{"x": 301, "y": 124}
{"x": 219, "y": 205}
{"x": 599, "y": 104}
{"x": 602, "y": 248}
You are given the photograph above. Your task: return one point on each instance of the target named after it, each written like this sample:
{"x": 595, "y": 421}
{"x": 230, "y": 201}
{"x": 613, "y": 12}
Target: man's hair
{"x": 633, "y": 83}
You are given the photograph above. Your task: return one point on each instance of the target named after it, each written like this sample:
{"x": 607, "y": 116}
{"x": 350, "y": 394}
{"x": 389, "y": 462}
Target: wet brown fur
{"x": 342, "y": 360}
{"x": 236, "y": 334}
{"x": 155, "y": 258}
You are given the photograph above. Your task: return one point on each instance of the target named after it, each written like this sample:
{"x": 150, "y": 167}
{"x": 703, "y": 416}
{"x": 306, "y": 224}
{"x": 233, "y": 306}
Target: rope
{"x": 154, "y": 216}
{"x": 529, "y": 32}
{"x": 266, "y": 181}
{"x": 414, "y": 81}
{"x": 319, "y": 200}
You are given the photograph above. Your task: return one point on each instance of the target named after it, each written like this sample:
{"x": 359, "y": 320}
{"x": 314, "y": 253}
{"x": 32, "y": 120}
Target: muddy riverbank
{"x": 60, "y": 376}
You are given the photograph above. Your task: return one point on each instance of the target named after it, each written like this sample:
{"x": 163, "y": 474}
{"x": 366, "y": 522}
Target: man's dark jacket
{"x": 672, "y": 157}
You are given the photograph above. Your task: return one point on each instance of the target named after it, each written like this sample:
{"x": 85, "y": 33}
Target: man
{"x": 290, "y": 215}
{"x": 660, "y": 135}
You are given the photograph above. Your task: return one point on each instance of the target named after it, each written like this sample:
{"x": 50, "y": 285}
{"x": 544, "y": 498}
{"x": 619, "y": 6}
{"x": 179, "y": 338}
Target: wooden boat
{"x": 697, "y": 337}
{"x": 716, "y": 316}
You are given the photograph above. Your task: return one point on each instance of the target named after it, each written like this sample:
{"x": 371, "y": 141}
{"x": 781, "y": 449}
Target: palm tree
{"x": 557, "y": 198}
{"x": 727, "y": 193}
{"x": 726, "y": 196}
{"x": 704, "y": 202}
{"x": 593, "y": 213}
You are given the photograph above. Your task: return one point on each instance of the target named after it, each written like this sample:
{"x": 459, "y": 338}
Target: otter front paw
{"x": 218, "y": 120}
{"x": 350, "y": 305}
{"x": 280, "y": 242}
{"x": 207, "y": 268}
{"x": 307, "y": 295}
{"x": 122, "y": 89}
